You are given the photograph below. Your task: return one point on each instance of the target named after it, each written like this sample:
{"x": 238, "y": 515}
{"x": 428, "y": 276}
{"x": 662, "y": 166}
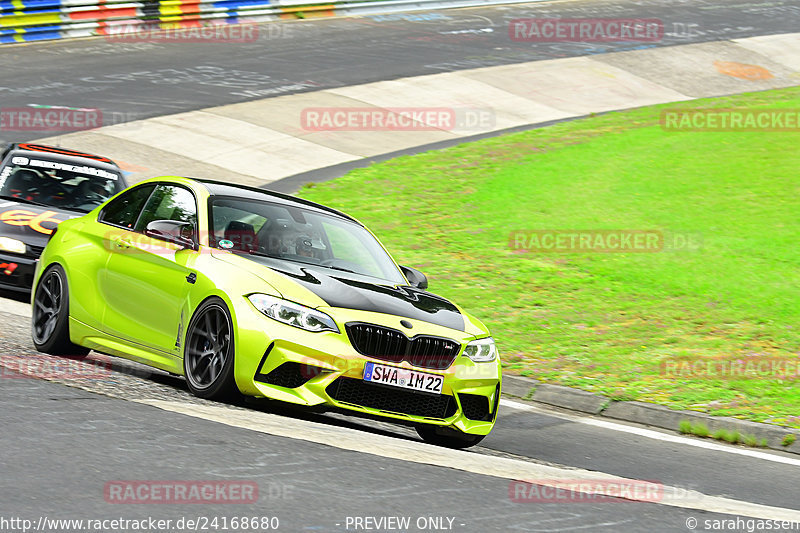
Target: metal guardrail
{"x": 38, "y": 20}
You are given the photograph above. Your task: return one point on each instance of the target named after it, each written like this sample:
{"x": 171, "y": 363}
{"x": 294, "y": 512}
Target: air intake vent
{"x": 475, "y": 407}
{"x": 357, "y": 392}
{"x": 290, "y": 375}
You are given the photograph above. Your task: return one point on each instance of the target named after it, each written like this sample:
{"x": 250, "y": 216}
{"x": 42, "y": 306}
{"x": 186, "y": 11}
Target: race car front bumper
{"x": 323, "y": 369}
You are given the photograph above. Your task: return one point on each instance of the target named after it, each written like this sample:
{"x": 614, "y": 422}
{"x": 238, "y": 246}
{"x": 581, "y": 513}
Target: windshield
{"x": 58, "y": 184}
{"x": 299, "y": 235}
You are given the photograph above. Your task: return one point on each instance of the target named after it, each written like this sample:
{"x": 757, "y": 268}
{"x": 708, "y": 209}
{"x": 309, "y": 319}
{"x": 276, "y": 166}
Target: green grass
{"x": 732, "y": 437}
{"x": 606, "y": 322}
{"x": 700, "y": 429}
{"x": 754, "y": 442}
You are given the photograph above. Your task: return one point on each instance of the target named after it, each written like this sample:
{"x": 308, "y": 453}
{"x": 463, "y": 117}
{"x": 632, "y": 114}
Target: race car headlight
{"x": 293, "y": 314}
{"x": 481, "y": 350}
{"x": 12, "y": 245}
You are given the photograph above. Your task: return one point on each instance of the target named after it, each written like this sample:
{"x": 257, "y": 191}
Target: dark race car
{"x": 40, "y": 187}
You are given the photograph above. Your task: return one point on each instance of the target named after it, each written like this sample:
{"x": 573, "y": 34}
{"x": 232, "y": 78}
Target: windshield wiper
{"x": 339, "y": 268}
{"x": 260, "y": 254}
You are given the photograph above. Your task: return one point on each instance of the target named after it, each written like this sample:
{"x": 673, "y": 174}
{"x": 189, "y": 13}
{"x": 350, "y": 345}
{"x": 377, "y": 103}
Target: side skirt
{"x": 85, "y": 335}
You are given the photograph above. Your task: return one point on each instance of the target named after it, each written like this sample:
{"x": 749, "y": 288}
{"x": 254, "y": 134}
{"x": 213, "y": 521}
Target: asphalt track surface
{"x": 129, "y": 81}
{"x": 308, "y": 487}
{"x": 61, "y": 444}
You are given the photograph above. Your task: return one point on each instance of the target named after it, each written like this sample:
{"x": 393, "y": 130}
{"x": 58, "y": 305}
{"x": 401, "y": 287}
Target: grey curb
{"x": 578, "y": 400}
{"x": 518, "y": 386}
{"x": 641, "y": 413}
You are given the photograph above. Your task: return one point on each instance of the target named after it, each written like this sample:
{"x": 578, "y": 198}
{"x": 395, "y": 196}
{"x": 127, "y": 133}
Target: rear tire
{"x": 50, "y": 320}
{"x": 448, "y": 437}
{"x": 209, "y": 353}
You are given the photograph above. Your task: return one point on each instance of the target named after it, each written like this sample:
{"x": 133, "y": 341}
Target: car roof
{"x": 63, "y": 155}
{"x": 219, "y": 188}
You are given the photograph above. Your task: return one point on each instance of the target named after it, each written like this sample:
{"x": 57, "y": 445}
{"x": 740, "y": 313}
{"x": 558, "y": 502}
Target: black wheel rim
{"x": 47, "y": 307}
{"x": 207, "y": 347}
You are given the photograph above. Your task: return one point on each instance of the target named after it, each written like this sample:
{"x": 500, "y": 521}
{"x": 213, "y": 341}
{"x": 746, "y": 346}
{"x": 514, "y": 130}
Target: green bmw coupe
{"x": 246, "y": 291}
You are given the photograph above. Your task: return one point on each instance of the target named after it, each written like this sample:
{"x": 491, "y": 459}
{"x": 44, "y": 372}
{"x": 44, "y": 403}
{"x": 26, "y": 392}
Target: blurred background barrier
{"x": 39, "y": 20}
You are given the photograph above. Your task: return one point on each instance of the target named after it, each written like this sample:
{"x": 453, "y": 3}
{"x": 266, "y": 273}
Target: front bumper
{"x": 16, "y": 272}
{"x": 323, "y": 369}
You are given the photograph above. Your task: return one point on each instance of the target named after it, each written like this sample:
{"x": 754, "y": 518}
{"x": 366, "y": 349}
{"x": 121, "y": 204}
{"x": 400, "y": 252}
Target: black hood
{"x": 31, "y": 224}
{"x": 358, "y": 293}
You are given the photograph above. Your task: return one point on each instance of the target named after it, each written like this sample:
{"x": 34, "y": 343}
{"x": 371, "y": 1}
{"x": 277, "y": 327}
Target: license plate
{"x": 403, "y": 378}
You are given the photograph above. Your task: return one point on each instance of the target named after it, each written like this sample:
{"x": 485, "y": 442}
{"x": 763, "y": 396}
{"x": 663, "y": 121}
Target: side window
{"x": 169, "y": 202}
{"x": 124, "y": 210}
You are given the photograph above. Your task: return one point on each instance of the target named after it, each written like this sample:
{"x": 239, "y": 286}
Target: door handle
{"x": 123, "y": 243}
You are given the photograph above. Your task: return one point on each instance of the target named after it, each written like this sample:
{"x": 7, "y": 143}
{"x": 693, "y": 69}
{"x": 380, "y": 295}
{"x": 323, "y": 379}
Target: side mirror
{"x": 415, "y": 277}
{"x": 174, "y": 231}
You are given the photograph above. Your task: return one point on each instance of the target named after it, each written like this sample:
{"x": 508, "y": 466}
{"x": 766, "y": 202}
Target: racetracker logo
{"x": 586, "y": 30}
{"x": 588, "y": 241}
{"x": 602, "y": 241}
{"x": 744, "y": 367}
{"x": 37, "y": 366}
{"x": 49, "y": 119}
{"x": 584, "y": 491}
{"x": 730, "y": 120}
{"x": 396, "y": 119}
{"x": 165, "y": 32}
{"x": 181, "y": 492}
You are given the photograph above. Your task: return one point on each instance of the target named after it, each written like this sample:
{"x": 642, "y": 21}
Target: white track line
{"x": 657, "y": 435}
{"x": 419, "y": 452}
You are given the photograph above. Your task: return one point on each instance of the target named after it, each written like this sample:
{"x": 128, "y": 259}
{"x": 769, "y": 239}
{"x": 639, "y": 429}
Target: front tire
{"x": 50, "y": 317}
{"x": 209, "y": 354}
{"x": 448, "y": 437}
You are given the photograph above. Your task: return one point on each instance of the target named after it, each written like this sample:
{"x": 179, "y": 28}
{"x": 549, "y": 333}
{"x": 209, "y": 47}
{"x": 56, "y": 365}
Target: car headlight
{"x": 293, "y": 314}
{"x": 481, "y": 350}
{"x": 12, "y": 245}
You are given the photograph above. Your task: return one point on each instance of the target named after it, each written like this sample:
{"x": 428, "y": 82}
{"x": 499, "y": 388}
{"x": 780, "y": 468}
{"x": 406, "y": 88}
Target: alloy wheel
{"x": 47, "y": 306}
{"x": 208, "y": 347}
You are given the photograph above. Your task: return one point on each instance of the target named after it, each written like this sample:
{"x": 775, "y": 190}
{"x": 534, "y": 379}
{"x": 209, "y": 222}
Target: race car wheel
{"x": 448, "y": 437}
{"x": 50, "y": 318}
{"x": 208, "y": 356}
